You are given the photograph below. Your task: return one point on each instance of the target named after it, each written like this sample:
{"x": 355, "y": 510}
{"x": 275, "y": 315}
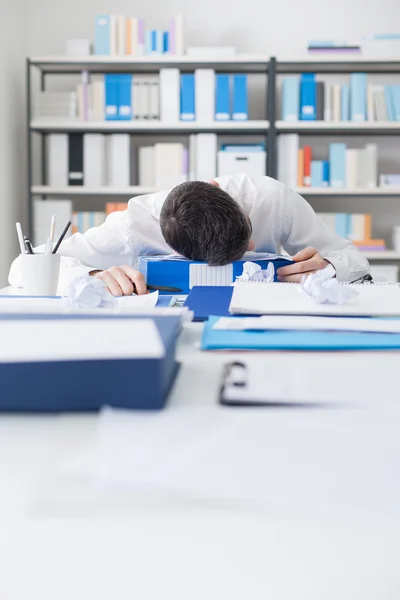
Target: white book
{"x": 328, "y": 102}
{"x": 357, "y": 232}
{"x": 370, "y": 174}
{"x": 57, "y": 159}
{"x": 288, "y": 299}
{"x": 192, "y": 157}
{"x": 206, "y": 156}
{"x": 170, "y": 95}
{"x": 168, "y": 165}
{"x": 121, "y": 35}
{"x": 329, "y": 219}
{"x": 133, "y": 31}
{"x": 146, "y": 166}
{"x": 94, "y": 160}
{"x": 43, "y": 210}
{"x": 205, "y": 95}
{"x": 118, "y": 160}
{"x": 380, "y": 103}
{"x": 336, "y": 102}
{"x": 135, "y": 98}
{"x": 98, "y": 100}
{"x": 179, "y": 36}
{"x": 113, "y": 35}
{"x": 146, "y": 98}
{"x": 352, "y": 177}
{"x": 154, "y": 98}
{"x": 370, "y": 103}
{"x": 80, "y": 102}
{"x": 288, "y": 156}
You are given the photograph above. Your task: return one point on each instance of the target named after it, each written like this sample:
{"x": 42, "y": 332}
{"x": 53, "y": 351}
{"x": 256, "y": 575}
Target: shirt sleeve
{"x": 99, "y": 248}
{"x": 301, "y": 228}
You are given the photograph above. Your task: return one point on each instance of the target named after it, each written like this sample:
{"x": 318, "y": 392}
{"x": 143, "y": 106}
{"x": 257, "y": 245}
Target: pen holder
{"x": 40, "y": 274}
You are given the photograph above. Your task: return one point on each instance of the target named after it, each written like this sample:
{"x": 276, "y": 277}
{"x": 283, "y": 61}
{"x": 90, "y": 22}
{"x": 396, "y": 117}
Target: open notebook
{"x": 289, "y": 299}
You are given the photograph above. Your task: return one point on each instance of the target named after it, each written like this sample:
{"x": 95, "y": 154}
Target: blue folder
{"x": 209, "y": 300}
{"x": 214, "y": 339}
{"x": 87, "y": 385}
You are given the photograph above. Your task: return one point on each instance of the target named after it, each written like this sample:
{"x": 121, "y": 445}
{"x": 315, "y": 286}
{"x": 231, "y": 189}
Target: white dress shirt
{"x": 280, "y": 219}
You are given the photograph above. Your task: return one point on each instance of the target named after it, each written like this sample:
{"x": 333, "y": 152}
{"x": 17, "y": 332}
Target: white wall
{"x": 12, "y": 129}
{"x": 271, "y": 26}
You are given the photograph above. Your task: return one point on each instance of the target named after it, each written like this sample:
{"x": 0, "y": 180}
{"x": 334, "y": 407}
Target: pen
{"x": 49, "y": 245}
{"x": 20, "y": 238}
{"x": 163, "y": 288}
{"x": 62, "y": 236}
{"x": 28, "y": 245}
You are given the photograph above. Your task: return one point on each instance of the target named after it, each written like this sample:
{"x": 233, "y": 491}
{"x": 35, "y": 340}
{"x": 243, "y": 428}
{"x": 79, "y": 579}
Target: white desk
{"x": 62, "y": 540}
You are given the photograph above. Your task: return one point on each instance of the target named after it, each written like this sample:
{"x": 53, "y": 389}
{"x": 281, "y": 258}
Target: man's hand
{"x": 306, "y": 261}
{"x": 122, "y": 281}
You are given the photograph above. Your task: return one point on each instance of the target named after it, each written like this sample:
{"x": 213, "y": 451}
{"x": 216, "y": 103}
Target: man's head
{"x": 202, "y": 222}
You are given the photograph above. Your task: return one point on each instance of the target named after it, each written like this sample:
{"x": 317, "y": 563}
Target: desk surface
{"x": 61, "y": 540}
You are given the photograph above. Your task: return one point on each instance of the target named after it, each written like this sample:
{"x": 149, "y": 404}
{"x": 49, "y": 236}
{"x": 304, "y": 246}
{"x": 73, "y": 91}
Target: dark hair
{"x": 203, "y": 222}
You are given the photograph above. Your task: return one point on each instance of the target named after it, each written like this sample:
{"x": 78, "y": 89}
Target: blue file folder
{"x": 102, "y": 35}
{"x": 87, "y": 385}
{"x": 308, "y": 97}
{"x": 295, "y": 340}
{"x": 239, "y": 100}
{"x": 209, "y": 300}
{"x": 111, "y": 85}
{"x": 187, "y": 97}
{"x": 222, "y": 98}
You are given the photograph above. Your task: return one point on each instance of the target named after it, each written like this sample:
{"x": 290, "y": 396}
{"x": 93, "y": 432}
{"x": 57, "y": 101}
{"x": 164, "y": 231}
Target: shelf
{"x": 382, "y": 255}
{"x": 328, "y": 63}
{"x": 78, "y": 190}
{"x": 341, "y": 127}
{"x": 74, "y": 64}
{"x": 327, "y": 191}
{"x": 65, "y": 125}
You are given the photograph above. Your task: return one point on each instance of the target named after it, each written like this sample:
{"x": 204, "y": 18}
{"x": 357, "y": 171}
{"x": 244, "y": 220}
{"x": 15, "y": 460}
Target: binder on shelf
{"x": 102, "y": 35}
{"x": 125, "y": 97}
{"x": 370, "y": 165}
{"x": 337, "y": 165}
{"x": 345, "y": 103}
{"x": 325, "y": 176}
{"x": 111, "y": 84}
{"x": 308, "y": 97}
{"x": 336, "y": 102}
{"x": 119, "y": 160}
{"x": 57, "y": 159}
{"x": 352, "y": 170}
{"x": 342, "y": 224}
{"x": 113, "y": 35}
{"x": 204, "y": 95}
{"x": 307, "y": 165}
{"x": 317, "y": 173}
{"x": 75, "y": 159}
{"x": 132, "y": 37}
{"x": 300, "y": 168}
{"x": 380, "y": 103}
{"x": 94, "y": 160}
{"x": 358, "y": 86}
{"x": 320, "y": 100}
{"x": 206, "y": 156}
{"x": 328, "y": 99}
{"x": 146, "y": 166}
{"x": 121, "y": 35}
{"x": 389, "y": 103}
{"x": 222, "y": 98}
{"x": 291, "y": 99}
{"x": 45, "y": 378}
{"x": 396, "y": 101}
{"x": 169, "y": 95}
{"x": 239, "y": 99}
{"x": 187, "y": 98}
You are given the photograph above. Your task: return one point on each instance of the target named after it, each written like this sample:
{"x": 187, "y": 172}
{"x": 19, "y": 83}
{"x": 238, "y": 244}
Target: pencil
{"x": 163, "y": 288}
{"x": 20, "y": 238}
{"x": 62, "y": 236}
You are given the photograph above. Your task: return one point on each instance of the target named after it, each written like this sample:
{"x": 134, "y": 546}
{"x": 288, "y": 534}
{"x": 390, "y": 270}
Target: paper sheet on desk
{"x": 27, "y": 304}
{"x": 322, "y": 462}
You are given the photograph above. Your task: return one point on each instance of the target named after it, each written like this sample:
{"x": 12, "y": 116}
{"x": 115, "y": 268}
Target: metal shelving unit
{"x": 59, "y": 65}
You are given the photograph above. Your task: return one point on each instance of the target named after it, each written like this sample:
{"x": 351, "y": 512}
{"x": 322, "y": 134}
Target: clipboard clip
{"x": 234, "y": 374}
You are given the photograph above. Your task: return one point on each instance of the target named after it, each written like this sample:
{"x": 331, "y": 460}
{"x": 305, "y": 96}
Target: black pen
{"x": 28, "y": 245}
{"x": 163, "y": 288}
{"x": 62, "y": 236}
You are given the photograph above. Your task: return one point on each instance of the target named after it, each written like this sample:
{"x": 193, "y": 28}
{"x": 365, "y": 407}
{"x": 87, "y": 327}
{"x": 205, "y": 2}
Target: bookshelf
{"x": 79, "y": 190}
{"x": 327, "y": 191}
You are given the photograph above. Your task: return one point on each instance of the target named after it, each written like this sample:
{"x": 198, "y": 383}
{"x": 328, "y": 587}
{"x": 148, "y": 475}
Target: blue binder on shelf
{"x": 240, "y": 110}
{"x": 124, "y": 97}
{"x": 187, "y": 97}
{"x": 222, "y": 98}
{"x": 308, "y": 97}
{"x": 102, "y": 35}
{"x": 183, "y": 274}
{"x": 214, "y": 339}
{"x": 111, "y": 86}
{"x": 81, "y": 385}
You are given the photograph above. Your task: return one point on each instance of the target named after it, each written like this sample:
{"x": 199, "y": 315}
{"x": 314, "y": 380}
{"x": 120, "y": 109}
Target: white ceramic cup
{"x": 396, "y": 239}
{"x": 40, "y": 274}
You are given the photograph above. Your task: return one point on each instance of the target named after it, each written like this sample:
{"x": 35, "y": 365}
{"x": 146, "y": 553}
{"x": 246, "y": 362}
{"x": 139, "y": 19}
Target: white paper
{"x": 289, "y": 299}
{"x": 253, "y": 272}
{"x": 297, "y": 323}
{"x": 77, "y": 339}
{"x": 325, "y": 288}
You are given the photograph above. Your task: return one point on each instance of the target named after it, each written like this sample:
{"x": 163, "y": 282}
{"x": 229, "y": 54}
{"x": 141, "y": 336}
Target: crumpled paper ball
{"x": 89, "y": 292}
{"x": 325, "y": 288}
{"x": 253, "y": 272}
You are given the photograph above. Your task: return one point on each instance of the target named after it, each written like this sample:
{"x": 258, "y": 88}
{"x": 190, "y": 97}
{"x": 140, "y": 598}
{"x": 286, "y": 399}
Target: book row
{"x": 306, "y": 99}
{"x": 355, "y": 227}
{"x": 344, "y": 167}
{"x": 97, "y": 160}
{"x": 202, "y": 96}
{"x": 118, "y": 35}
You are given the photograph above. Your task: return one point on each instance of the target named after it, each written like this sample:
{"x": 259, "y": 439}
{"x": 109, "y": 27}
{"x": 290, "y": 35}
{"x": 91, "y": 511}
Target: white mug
{"x": 40, "y": 274}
